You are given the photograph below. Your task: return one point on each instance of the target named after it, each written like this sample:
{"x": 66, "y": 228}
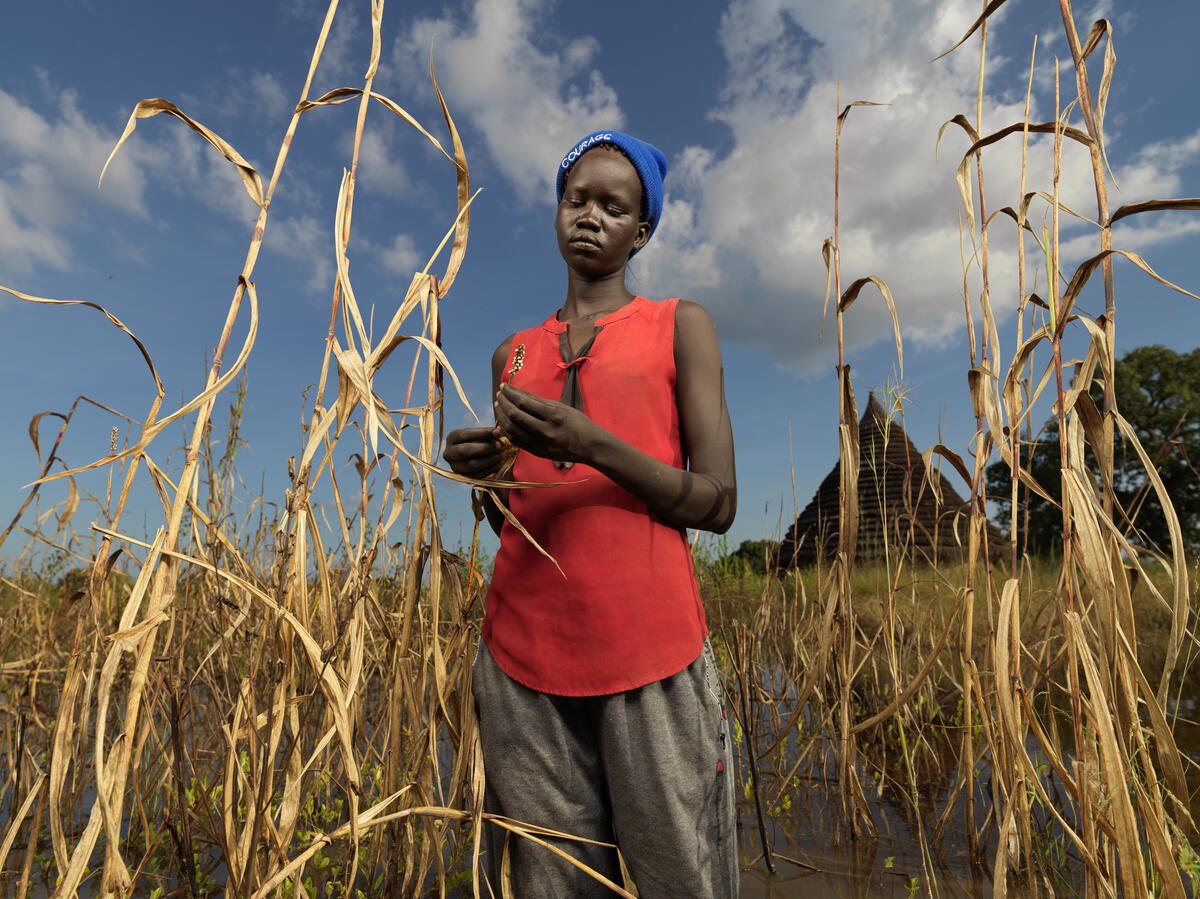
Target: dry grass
{"x": 1012, "y": 654}
{"x": 257, "y": 701}
{"x": 255, "y": 704}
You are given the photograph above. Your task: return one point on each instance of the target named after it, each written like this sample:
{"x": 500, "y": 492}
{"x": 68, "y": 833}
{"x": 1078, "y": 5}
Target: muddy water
{"x": 822, "y": 864}
{"x": 852, "y": 882}
{"x": 814, "y": 852}
{"x": 815, "y": 855}
{"x": 817, "y": 858}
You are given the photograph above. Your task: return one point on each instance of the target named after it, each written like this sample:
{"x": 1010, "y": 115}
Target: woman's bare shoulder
{"x": 693, "y": 325}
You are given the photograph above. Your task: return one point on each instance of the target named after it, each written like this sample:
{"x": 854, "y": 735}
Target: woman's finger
{"x": 531, "y": 403}
{"x": 468, "y": 435}
{"x": 518, "y": 425}
{"x": 475, "y": 458}
{"x": 475, "y": 448}
{"x": 481, "y": 463}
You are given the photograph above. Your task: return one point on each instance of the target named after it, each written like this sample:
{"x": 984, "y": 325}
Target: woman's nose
{"x": 587, "y": 216}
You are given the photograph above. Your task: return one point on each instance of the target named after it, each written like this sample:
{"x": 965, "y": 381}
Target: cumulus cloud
{"x": 742, "y": 228}
{"x": 197, "y": 170}
{"x": 25, "y": 244}
{"x": 768, "y": 204}
{"x": 530, "y": 101}
{"x": 306, "y": 241}
{"x": 400, "y": 257}
{"x": 49, "y": 163}
{"x": 272, "y": 101}
{"x": 378, "y": 169}
{"x": 748, "y": 226}
{"x": 50, "y": 160}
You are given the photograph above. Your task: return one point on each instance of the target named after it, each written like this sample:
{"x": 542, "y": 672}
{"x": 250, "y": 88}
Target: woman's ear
{"x": 642, "y": 236}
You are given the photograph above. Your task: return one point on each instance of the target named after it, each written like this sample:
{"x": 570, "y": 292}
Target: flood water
{"x": 813, "y": 860}
{"x": 817, "y": 858}
{"x": 815, "y": 855}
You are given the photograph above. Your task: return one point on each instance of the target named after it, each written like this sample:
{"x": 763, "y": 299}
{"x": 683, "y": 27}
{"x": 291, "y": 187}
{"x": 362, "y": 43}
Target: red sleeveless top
{"x": 625, "y": 610}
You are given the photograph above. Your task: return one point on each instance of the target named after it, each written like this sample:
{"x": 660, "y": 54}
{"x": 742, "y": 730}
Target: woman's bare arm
{"x": 703, "y": 496}
{"x": 476, "y": 452}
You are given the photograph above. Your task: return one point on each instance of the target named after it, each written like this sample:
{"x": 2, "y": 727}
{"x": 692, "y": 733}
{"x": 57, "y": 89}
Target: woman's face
{"x": 597, "y": 220}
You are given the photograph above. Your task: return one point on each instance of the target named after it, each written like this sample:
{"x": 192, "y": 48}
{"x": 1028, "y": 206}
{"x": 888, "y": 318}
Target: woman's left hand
{"x": 543, "y": 427}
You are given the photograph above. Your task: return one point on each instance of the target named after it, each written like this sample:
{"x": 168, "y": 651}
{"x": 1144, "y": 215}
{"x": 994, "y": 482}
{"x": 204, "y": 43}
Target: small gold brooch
{"x": 518, "y": 360}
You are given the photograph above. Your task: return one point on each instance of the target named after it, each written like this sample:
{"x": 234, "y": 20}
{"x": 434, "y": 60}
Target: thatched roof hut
{"x": 898, "y": 505}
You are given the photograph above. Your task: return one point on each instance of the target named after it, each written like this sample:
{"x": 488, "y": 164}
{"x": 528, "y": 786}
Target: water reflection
{"x": 815, "y": 854}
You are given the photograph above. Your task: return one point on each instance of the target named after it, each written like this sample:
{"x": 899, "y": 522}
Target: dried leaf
{"x": 987, "y": 11}
{"x": 112, "y": 318}
{"x": 33, "y": 431}
{"x": 1169, "y": 882}
{"x": 1114, "y": 767}
{"x": 1179, "y": 574}
{"x": 17, "y": 819}
{"x": 156, "y": 427}
{"x": 962, "y": 122}
{"x": 827, "y": 250}
{"x": 342, "y": 94}
{"x": 841, "y": 119}
{"x": 463, "y": 184}
{"x": 1101, "y": 28}
{"x": 962, "y": 175}
{"x": 850, "y": 294}
{"x": 1154, "y": 206}
{"x": 148, "y": 108}
{"x": 1084, "y": 272}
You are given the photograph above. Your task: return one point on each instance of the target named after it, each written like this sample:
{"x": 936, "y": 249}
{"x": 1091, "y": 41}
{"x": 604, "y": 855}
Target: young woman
{"x": 600, "y": 709}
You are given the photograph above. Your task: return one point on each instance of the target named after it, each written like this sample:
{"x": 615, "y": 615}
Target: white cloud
{"x": 25, "y": 244}
{"x": 530, "y": 102}
{"x": 743, "y": 232}
{"x": 1142, "y": 237}
{"x": 378, "y": 170}
{"x": 306, "y": 240}
{"x": 678, "y": 243}
{"x": 50, "y": 161}
{"x": 199, "y": 171}
{"x": 1154, "y": 171}
{"x": 49, "y": 164}
{"x": 270, "y": 99}
{"x": 401, "y": 256}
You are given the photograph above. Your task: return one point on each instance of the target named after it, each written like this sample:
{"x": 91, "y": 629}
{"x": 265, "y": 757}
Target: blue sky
{"x": 739, "y": 95}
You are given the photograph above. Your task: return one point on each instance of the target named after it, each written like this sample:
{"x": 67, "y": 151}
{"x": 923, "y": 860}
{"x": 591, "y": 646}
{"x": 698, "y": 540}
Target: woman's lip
{"x": 584, "y": 242}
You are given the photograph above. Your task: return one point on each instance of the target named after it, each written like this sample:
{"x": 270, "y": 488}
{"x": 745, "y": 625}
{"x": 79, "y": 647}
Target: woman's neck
{"x": 593, "y": 299}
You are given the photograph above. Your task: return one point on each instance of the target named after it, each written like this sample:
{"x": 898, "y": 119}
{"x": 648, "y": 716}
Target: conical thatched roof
{"x": 898, "y": 506}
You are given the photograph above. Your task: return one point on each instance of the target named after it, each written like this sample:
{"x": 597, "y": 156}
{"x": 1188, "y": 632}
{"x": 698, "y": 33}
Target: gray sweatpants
{"x": 650, "y": 769}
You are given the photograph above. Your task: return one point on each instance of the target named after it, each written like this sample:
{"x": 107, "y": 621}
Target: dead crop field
{"x": 278, "y": 704}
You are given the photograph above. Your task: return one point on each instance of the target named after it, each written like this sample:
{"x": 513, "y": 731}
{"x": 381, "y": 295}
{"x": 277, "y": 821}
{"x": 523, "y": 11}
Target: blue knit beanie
{"x": 647, "y": 159}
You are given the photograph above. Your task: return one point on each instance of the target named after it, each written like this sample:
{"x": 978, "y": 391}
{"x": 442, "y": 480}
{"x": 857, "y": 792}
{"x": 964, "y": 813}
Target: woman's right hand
{"x": 474, "y": 452}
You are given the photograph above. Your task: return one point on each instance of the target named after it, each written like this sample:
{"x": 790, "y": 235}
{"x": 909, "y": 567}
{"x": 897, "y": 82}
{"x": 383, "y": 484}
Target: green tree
{"x": 1158, "y": 392}
{"x": 753, "y": 557}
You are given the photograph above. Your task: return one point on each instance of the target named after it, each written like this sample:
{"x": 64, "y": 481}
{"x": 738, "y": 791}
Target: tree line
{"x": 1158, "y": 392}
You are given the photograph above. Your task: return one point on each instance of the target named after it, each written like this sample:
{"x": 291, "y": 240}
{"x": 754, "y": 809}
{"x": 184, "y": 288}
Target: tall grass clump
{"x": 269, "y": 702}
{"x": 1127, "y": 811}
{"x": 1014, "y": 704}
